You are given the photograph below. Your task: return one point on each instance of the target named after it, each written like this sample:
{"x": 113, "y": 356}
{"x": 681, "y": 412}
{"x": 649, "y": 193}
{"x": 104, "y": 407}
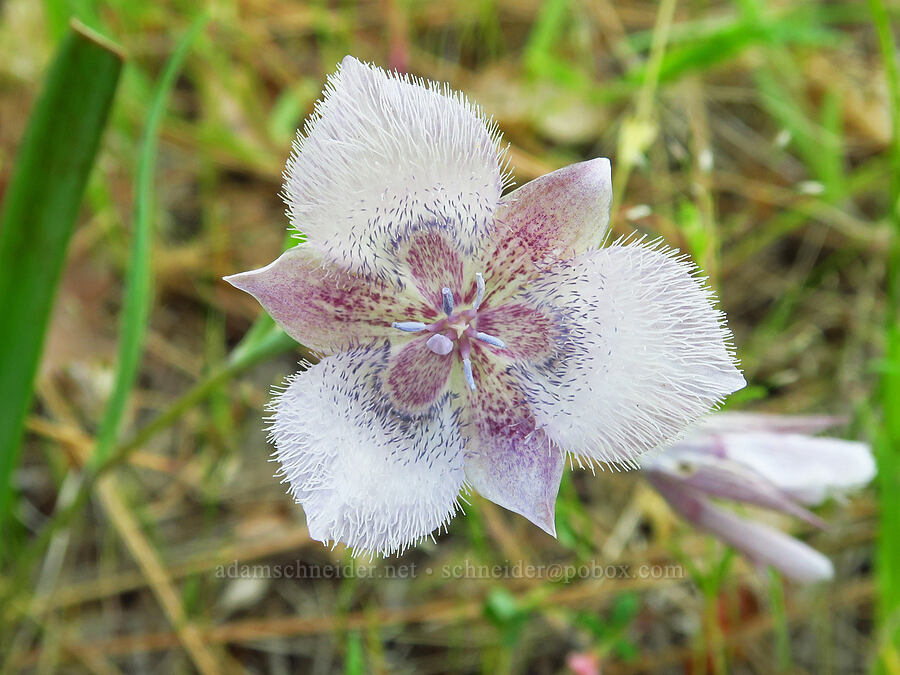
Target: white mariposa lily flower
{"x": 771, "y": 461}
{"x": 474, "y": 339}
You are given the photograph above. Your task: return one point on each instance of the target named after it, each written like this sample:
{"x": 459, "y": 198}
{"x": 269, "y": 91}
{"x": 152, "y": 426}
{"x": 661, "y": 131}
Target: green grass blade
{"x": 354, "y": 661}
{"x": 39, "y": 212}
{"x": 783, "y": 659}
{"x": 58, "y": 14}
{"x": 888, "y": 439}
{"x": 139, "y": 291}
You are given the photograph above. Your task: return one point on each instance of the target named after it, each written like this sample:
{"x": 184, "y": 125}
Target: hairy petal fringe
{"x": 384, "y": 152}
{"x": 365, "y": 476}
{"x": 647, "y": 354}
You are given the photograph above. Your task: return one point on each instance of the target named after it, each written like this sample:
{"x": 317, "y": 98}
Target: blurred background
{"x": 758, "y": 136}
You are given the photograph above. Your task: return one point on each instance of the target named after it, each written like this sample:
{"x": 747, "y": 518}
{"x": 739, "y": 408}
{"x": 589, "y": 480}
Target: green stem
{"x": 139, "y": 285}
{"x": 779, "y": 617}
{"x": 643, "y": 114}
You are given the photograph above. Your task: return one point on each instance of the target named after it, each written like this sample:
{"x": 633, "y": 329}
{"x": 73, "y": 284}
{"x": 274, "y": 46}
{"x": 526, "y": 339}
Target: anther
{"x": 467, "y": 371}
{"x": 479, "y": 293}
{"x": 491, "y": 340}
{"x": 409, "y": 326}
{"x": 448, "y": 300}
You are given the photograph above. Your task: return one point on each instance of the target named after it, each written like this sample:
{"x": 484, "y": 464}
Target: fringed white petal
{"x": 365, "y": 477}
{"x": 647, "y": 354}
{"x": 382, "y": 153}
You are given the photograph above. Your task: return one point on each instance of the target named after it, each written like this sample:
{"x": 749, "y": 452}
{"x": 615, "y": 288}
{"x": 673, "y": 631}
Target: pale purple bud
{"x": 762, "y": 544}
{"x": 726, "y": 479}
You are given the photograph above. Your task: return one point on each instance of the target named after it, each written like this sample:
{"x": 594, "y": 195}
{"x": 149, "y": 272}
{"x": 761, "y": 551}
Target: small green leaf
{"x": 624, "y": 609}
{"x": 505, "y": 611}
{"x": 501, "y": 606}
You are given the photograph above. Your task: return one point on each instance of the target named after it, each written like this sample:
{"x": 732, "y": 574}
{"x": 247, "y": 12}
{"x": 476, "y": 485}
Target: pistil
{"x": 440, "y": 344}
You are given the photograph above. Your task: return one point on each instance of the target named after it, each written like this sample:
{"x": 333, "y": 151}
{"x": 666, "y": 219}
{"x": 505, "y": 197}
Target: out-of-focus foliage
{"x": 759, "y": 137}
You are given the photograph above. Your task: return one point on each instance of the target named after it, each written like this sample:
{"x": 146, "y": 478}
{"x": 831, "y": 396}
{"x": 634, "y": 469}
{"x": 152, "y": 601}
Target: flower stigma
{"x": 456, "y": 330}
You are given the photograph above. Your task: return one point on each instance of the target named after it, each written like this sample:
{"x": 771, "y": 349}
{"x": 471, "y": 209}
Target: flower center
{"x": 455, "y": 331}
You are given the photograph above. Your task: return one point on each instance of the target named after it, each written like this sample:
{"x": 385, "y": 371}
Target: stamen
{"x": 448, "y": 300}
{"x": 467, "y": 371}
{"x": 440, "y": 344}
{"x": 491, "y": 340}
{"x": 455, "y": 331}
{"x": 409, "y": 326}
{"x": 479, "y": 294}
